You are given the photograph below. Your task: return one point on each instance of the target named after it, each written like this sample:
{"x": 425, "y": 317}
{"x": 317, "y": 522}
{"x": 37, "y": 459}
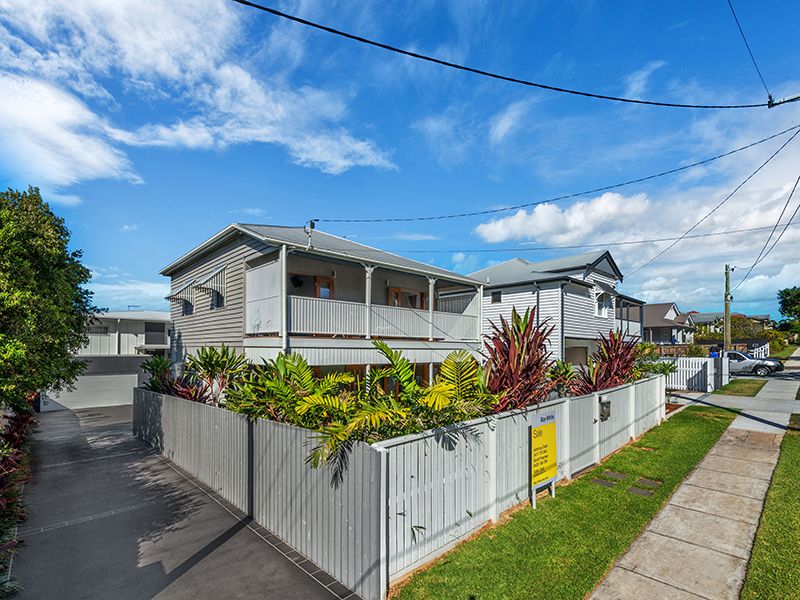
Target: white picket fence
{"x": 401, "y": 502}
{"x": 698, "y": 374}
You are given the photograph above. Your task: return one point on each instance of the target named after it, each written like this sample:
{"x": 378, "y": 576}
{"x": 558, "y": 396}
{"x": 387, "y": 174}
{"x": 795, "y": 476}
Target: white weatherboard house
{"x": 576, "y": 295}
{"x": 266, "y": 289}
{"x": 118, "y": 343}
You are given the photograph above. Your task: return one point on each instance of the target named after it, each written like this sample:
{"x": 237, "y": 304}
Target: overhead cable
{"x": 508, "y": 78}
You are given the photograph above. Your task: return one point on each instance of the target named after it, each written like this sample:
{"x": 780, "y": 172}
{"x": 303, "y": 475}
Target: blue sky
{"x": 150, "y": 126}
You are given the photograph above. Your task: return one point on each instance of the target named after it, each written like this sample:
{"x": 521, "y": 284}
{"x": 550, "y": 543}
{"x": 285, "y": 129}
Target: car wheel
{"x": 762, "y": 371}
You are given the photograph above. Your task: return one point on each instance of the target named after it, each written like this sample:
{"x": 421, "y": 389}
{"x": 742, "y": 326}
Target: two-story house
{"x": 664, "y": 323}
{"x": 266, "y": 289}
{"x": 576, "y": 295}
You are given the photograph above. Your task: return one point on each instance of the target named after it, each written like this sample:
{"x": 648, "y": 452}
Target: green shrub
{"x": 696, "y": 350}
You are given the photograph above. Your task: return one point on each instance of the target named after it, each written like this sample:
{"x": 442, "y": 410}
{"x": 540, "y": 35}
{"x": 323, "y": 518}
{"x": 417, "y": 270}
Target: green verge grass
{"x": 774, "y": 570}
{"x": 742, "y": 387}
{"x": 565, "y": 547}
{"x": 785, "y": 353}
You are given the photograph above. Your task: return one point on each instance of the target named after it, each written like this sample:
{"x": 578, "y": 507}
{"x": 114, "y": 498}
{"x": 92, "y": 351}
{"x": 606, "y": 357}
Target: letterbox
{"x": 605, "y": 408}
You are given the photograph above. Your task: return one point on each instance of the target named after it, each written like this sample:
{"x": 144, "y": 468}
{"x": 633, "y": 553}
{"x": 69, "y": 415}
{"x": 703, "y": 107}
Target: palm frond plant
{"x": 518, "y": 361}
{"x": 611, "y": 365}
{"x": 562, "y": 373}
{"x": 214, "y": 369}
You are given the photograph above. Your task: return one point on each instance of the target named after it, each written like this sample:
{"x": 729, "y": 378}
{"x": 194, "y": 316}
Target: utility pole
{"x": 726, "y": 323}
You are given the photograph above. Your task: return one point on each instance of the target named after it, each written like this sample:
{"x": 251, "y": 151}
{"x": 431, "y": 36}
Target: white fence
{"x": 698, "y": 374}
{"x": 400, "y": 503}
{"x": 761, "y": 351}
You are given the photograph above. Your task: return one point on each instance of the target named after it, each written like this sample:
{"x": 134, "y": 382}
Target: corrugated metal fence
{"x": 401, "y": 502}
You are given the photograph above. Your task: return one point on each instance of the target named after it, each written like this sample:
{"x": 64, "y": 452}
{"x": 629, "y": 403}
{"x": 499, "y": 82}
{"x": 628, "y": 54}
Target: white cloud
{"x": 636, "y": 82}
{"x": 54, "y": 53}
{"x": 250, "y": 211}
{"x": 118, "y": 294}
{"x": 129, "y": 227}
{"x": 507, "y": 121}
{"x": 449, "y": 135}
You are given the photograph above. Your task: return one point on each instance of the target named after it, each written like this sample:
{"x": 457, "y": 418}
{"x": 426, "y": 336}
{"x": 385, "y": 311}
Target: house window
{"x": 323, "y": 287}
{"x": 602, "y": 304}
{"x": 98, "y": 329}
{"x": 155, "y": 333}
{"x": 187, "y": 308}
{"x": 217, "y": 299}
{"x": 497, "y": 297}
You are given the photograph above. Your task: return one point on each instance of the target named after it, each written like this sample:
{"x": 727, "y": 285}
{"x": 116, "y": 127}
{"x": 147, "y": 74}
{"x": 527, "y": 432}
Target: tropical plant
{"x": 562, "y": 373}
{"x": 518, "y": 361}
{"x": 161, "y": 378}
{"x": 214, "y": 369}
{"x": 612, "y": 364}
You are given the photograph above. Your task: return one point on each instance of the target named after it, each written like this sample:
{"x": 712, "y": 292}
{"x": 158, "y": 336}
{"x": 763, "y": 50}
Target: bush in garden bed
{"x": 389, "y": 402}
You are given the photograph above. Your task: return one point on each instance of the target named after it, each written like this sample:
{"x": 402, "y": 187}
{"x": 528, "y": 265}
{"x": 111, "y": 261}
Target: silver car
{"x": 741, "y": 362}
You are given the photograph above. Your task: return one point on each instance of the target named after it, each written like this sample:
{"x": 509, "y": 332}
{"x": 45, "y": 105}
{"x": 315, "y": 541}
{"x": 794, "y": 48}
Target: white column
{"x": 119, "y": 341}
{"x": 480, "y": 313}
{"x": 368, "y": 269}
{"x": 431, "y": 292}
{"x": 596, "y": 429}
{"x": 284, "y": 299}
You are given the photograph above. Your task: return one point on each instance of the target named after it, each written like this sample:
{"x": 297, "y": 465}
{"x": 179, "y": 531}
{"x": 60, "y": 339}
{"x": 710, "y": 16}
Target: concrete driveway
{"x": 110, "y": 519}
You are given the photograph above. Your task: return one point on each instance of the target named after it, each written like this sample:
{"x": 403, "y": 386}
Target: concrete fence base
{"x": 399, "y": 503}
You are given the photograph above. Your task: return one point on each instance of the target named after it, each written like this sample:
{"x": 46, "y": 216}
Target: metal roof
{"x": 322, "y": 243}
{"x": 135, "y": 315}
{"x": 565, "y": 263}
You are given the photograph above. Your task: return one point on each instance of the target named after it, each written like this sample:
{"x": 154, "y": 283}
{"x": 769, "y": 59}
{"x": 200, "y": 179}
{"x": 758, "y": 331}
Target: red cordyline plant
{"x": 612, "y": 364}
{"x": 518, "y": 361}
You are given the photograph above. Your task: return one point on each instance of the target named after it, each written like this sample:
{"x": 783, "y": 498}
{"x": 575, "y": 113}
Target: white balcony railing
{"x": 628, "y": 327}
{"x": 336, "y": 317}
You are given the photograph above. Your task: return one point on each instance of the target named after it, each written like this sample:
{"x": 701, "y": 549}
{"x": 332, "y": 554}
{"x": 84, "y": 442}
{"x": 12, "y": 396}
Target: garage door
{"x": 92, "y": 391}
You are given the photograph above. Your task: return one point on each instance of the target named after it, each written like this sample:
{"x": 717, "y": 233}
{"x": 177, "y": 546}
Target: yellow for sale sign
{"x": 544, "y": 464}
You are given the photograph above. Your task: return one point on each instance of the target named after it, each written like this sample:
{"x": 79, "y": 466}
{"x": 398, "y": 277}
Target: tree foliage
{"x": 44, "y": 308}
{"x": 789, "y": 303}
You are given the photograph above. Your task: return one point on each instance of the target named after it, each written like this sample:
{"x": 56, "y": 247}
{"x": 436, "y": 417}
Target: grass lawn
{"x": 742, "y": 387}
{"x": 785, "y": 353}
{"x": 774, "y": 570}
{"x": 565, "y": 547}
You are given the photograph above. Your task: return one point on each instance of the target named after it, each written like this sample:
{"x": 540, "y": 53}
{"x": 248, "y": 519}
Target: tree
{"x": 44, "y": 309}
{"x": 789, "y": 303}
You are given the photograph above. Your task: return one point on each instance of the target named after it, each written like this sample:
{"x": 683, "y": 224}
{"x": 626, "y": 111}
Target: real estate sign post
{"x": 544, "y": 464}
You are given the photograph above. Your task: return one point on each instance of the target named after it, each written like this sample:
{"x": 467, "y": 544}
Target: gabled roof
{"x": 322, "y": 243}
{"x": 519, "y": 270}
{"x": 654, "y": 316}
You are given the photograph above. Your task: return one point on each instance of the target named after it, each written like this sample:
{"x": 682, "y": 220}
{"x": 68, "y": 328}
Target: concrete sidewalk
{"x": 110, "y": 519}
{"x": 699, "y": 544}
{"x": 770, "y": 409}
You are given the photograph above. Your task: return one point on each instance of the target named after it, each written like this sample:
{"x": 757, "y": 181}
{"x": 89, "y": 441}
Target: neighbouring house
{"x": 711, "y": 322}
{"x": 266, "y": 289}
{"x": 118, "y": 343}
{"x": 664, "y": 323}
{"x": 576, "y": 295}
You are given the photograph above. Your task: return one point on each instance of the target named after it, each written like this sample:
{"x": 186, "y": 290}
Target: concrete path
{"x": 109, "y": 519}
{"x": 699, "y": 544}
{"x": 793, "y": 362}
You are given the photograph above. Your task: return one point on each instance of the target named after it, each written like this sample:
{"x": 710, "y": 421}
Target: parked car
{"x": 741, "y": 362}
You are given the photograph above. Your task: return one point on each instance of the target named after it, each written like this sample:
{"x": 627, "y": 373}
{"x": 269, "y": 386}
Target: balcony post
{"x": 368, "y": 269}
{"x": 480, "y": 313}
{"x": 284, "y": 299}
{"x": 431, "y": 292}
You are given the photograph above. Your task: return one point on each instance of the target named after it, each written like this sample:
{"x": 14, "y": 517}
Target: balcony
{"x": 632, "y": 328}
{"x": 316, "y": 316}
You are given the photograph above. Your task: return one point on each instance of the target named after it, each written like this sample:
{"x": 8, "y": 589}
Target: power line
{"x": 764, "y": 252}
{"x": 750, "y": 52}
{"x": 717, "y": 207}
{"x": 475, "y": 71}
{"x": 605, "y": 188}
{"x": 568, "y": 247}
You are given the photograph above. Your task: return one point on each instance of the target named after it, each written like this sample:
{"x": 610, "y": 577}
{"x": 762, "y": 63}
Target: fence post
{"x": 632, "y": 411}
{"x": 491, "y": 465}
{"x": 383, "y": 541}
{"x": 567, "y": 444}
{"x": 662, "y": 399}
{"x": 596, "y": 428}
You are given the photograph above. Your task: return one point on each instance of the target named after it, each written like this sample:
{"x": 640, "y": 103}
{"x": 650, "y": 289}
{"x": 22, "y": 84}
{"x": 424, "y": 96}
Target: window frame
{"x": 496, "y": 297}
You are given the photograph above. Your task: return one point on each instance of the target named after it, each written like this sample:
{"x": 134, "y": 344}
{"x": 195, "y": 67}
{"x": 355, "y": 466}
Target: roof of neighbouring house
{"x": 711, "y": 317}
{"x": 322, "y": 244}
{"x": 519, "y": 270}
{"x": 135, "y": 315}
{"x": 654, "y": 316}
